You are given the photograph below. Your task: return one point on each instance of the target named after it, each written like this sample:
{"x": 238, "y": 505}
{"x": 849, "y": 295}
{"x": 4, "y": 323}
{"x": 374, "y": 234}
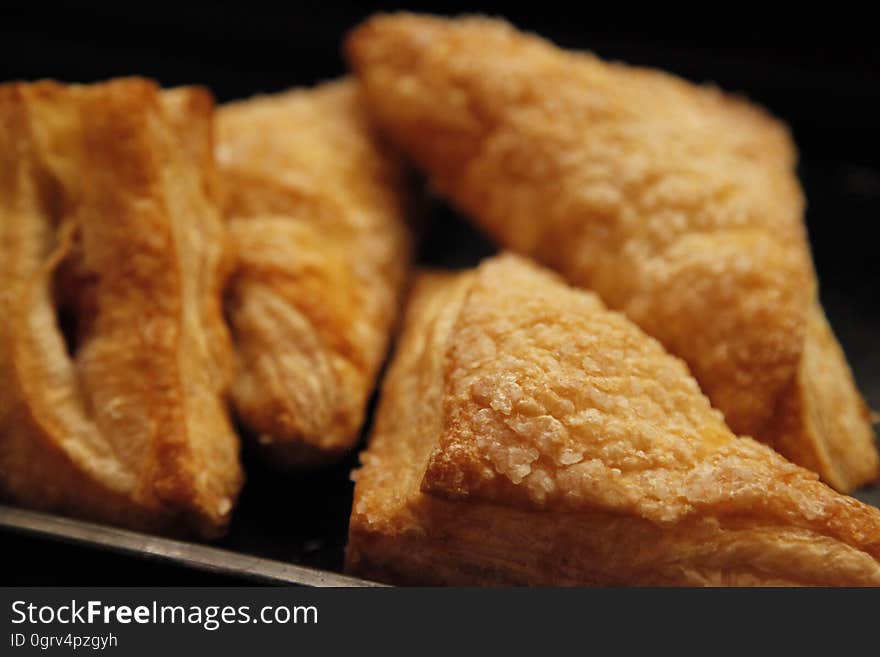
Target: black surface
{"x": 819, "y": 73}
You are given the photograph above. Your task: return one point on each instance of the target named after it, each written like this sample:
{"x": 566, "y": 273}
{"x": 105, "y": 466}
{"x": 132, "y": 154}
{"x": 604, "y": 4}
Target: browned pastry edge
{"x": 737, "y": 515}
{"x": 317, "y": 207}
{"x": 677, "y": 203}
{"x": 107, "y": 189}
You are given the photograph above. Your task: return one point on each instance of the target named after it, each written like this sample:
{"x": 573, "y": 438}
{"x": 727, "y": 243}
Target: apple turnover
{"x": 678, "y": 204}
{"x": 114, "y": 358}
{"x": 316, "y": 208}
{"x": 526, "y": 435}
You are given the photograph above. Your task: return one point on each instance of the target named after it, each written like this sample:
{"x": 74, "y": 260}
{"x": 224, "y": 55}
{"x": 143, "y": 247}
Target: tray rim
{"x": 193, "y": 555}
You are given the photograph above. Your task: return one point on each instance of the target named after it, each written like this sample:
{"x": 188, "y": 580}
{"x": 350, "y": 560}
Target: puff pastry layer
{"x": 316, "y": 207}
{"x": 528, "y": 435}
{"x": 114, "y": 358}
{"x": 678, "y": 204}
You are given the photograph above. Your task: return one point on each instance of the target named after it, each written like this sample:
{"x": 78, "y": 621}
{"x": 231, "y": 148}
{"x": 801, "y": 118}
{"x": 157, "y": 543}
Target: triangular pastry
{"x": 316, "y": 209}
{"x": 114, "y": 358}
{"x": 678, "y": 204}
{"x": 528, "y": 435}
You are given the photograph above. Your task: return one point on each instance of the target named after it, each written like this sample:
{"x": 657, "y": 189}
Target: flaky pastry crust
{"x": 528, "y": 435}
{"x": 316, "y": 208}
{"x": 114, "y": 358}
{"x": 678, "y": 204}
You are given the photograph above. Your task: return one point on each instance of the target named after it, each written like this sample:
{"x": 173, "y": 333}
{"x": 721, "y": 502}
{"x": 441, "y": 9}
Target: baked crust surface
{"x": 528, "y": 435}
{"x": 316, "y": 208}
{"x": 114, "y": 358}
{"x": 678, "y": 204}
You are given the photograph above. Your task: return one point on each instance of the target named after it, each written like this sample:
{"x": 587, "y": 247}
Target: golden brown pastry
{"x": 114, "y": 358}
{"x": 315, "y": 204}
{"x": 678, "y": 204}
{"x": 528, "y": 435}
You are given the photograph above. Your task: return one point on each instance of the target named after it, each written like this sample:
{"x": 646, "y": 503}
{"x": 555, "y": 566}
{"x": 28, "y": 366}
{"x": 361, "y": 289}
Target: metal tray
{"x": 287, "y": 529}
{"x": 190, "y": 555}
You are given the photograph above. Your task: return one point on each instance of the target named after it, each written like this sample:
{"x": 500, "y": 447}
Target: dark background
{"x": 818, "y": 72}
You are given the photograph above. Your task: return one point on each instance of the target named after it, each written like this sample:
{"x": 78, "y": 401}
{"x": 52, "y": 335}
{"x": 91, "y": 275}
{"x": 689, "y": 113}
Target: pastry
{"x": 526, "y": 435}
{"x": 316, "y": 208}
{"x": 678, "y": 204}
{"x": 114, "y": 358}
